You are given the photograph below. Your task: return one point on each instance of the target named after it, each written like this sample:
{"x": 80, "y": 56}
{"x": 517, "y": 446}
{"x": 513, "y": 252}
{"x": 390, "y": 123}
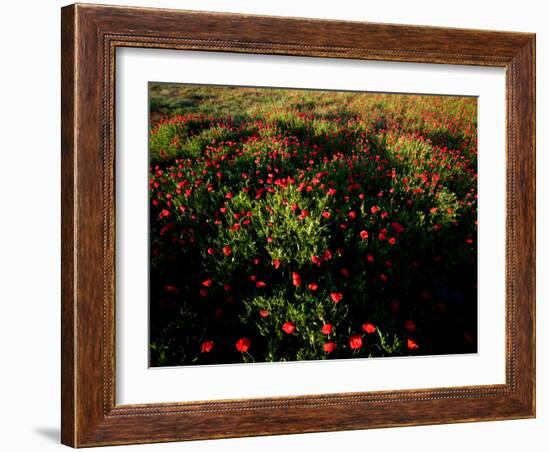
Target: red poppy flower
{"x": 374, "y": 209}
{"x": 326, "y": 328}
{"x": 303, "y": 214}
{"x": 276, "y": 263}
{"x": 329, "y": 347}
{"x": 207, "y": 346}
{"x": 394, "y": 305}
{"x": 397, "y": 227}
{"x": 312, "y": 286}
{"x": 243, "y": 344}
{"x": 164, "y": 213}
{"x": 296, "y": 279}
{"x": 166, "y": 228}
{"x": 392, "y": 241}
{"x": 370, "y": 258}
{"x": 260, "y": 284}
{"x": 433, "y": 210}
{"x": 355, "y": 342}
{"x": 364, "y": 235}
{"x": 227, "y": 250}
{"x": 369, "y": 328}
{"x": 326, "y": 214}
{"x": 426, "y": 295}
{"x": 331, "y": 192}
{"x": 288, "y": 327}
{"x": 211, "y": 251}
{"x": 412, "y": 344}
{"x": 410, "y": 326}
{"x": 264, "y": 313}
{"x": 336, "y": 296}
{"x": 207, "y": 283}
{"x": 352, "y": 215}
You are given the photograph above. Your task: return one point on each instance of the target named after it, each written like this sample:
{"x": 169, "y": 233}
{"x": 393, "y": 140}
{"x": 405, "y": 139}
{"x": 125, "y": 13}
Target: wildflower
{"x": 369, "y": 328}
{"x": 288, "y": 327}
{"x": 243, "y": 344}
{"x": 207, "y": 346}
{"x": 329, "y": 347}
{"x": 326, "y": 328}
{"x": 412, "y": 344}
{"x": 410, "y": 326}
{"x": 355, "y": 342}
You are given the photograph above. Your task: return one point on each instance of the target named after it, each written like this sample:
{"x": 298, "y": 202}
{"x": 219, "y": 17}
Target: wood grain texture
{"x": 67, "y": 224}
{"x": 90, "y": 36}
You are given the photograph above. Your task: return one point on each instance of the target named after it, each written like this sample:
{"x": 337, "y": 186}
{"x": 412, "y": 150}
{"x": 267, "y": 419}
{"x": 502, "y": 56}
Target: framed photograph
{"x": 280, "y": 225}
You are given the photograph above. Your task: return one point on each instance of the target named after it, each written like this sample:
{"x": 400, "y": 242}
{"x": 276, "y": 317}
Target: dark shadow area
{"x": 50, "y": 433}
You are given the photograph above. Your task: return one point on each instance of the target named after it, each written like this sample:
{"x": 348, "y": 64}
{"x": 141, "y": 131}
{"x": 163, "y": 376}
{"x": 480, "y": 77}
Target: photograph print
{"x": 292, "y": 224}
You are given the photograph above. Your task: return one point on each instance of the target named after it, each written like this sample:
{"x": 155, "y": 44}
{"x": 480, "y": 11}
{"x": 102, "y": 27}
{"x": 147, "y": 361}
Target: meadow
{"x": 302, "y": 225}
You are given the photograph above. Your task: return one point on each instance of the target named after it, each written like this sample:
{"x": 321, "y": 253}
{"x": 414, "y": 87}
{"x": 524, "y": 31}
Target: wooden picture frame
{"x": 90, "y": 36}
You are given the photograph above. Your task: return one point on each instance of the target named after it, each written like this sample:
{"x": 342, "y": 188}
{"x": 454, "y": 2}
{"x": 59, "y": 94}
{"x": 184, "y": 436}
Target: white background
{"x": 135, "y": 383}
{"x": 29, "y": 239}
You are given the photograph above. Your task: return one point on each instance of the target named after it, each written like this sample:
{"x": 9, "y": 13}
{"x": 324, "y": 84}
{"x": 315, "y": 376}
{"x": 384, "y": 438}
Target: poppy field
{"x": 292, "y": 225}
